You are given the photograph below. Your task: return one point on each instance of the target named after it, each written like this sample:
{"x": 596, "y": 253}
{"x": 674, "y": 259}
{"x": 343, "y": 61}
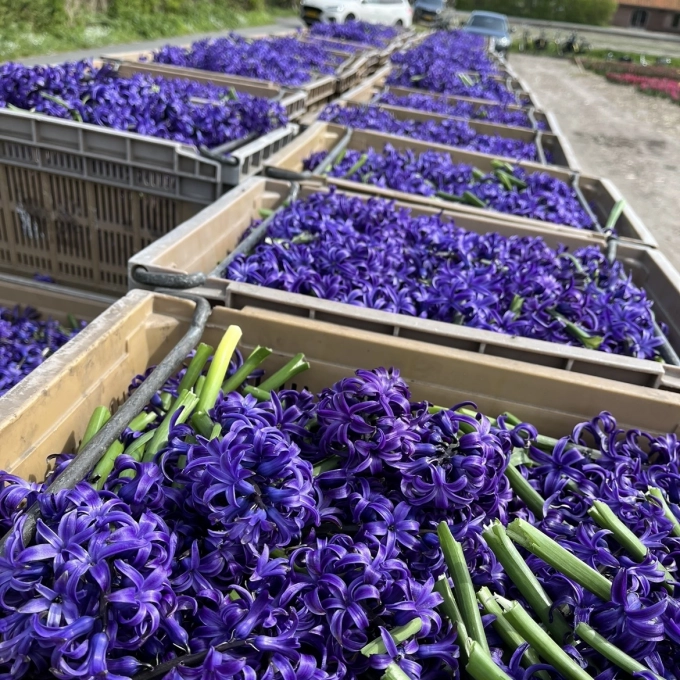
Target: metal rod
{"x": 532, "y": 118}
{"x": 584, "y": 204}
{"x": 175, "y": 281}
{"x": 666, "y": 350}
{"x": 85, "y": 460}
{"x": 611, "y": 248}
{"x": 333, "y": 154}
{"x": 287, "y": 175}
{"x": 255, "y": 235}
{"x": 539, "y": 147}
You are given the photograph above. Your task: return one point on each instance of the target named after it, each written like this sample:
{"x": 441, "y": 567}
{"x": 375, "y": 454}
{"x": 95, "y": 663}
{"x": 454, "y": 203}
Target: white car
{"x": 388, "y": 12}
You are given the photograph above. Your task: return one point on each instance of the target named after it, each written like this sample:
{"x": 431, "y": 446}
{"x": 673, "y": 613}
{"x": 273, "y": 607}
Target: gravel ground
{"x": 618, "y": 133}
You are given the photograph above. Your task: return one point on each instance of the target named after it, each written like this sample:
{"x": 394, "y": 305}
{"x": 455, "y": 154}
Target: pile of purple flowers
{"x": 513, "y": 191}
{"x": 26, "y": 341}
{"x": 451, "y": 63}
{"x": 371, "y": 254}
{"x": 356, "y": 31}
{"x": 285, "y": 60}
{"x": 448, "y": 131}
{"x": 179, "y": 110}
{"x": 461, "y": 109}
{"x": 462, "y": 51}
{"x": 305, "y": 527}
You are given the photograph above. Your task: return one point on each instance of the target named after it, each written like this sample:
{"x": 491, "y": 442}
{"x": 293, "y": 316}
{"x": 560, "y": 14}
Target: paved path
{"x": 93, "y": 52}
{"x": 616, "y": 132}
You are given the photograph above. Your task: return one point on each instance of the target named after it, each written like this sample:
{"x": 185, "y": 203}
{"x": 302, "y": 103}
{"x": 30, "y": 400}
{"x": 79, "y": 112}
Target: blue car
{"x": 490, "y": 25}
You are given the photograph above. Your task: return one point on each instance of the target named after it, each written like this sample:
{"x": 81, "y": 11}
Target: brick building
{"x": 653, "y": 15}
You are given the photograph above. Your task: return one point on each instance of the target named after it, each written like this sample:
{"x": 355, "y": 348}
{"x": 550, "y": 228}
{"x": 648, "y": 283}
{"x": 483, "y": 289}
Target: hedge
{"x": 593, "y": 12}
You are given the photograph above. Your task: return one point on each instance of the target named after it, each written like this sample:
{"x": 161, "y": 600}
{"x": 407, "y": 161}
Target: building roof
{"x": 672, "y": 5}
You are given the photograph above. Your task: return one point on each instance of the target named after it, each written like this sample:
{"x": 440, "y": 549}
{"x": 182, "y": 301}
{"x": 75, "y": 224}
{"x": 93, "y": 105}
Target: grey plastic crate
{"x": 77, "y": 201}
{"x": 294, "y": 101}
{"x": 368, "y": 89}
{"x": 321, "y": 88}
{"x": 561, "y": 153}
{"x": 198, "y": 244}
{"x": 599, "y": 194}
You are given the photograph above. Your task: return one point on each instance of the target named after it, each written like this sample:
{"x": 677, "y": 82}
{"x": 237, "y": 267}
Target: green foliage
{"x": 52, "y": 26}
{"x": 593, "y": 12}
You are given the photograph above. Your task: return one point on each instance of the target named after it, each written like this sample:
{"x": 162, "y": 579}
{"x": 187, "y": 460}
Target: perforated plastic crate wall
{"x": 80, "y": 232}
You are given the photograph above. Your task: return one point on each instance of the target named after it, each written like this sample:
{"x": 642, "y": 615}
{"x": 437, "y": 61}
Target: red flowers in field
{"x": 663, "y": 87}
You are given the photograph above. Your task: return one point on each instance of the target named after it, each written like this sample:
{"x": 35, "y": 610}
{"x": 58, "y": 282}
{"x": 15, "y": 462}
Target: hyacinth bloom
{"x": 305, "y": 530}
{"x": 178, "y": 110}
{"x": 26, "y": 341}
{"x": 284, "y": 60}
{"x": 372, "y": 254}
{"x": 534, "y": 195}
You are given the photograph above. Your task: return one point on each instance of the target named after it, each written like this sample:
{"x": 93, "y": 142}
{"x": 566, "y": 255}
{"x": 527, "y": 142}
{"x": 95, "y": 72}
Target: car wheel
{"x": 350, "y": 17}
{"x": 399, "y": 23}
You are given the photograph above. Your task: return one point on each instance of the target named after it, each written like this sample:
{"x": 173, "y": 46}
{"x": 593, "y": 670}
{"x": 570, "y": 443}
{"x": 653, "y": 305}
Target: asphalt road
{"x": 94, "y": 52}
{"x": 616, "y": 132}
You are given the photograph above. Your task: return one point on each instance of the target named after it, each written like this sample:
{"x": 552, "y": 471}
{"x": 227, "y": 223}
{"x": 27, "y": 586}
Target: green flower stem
{"x": 100, "y": 416}
{"x": 142, "y": 421}
{"x": 511, "y": 419}
{"x": 542, "y": 442}
{"x": 103, "y": 468}
{"x": 534, "y": 501}
{"x": 218, "y": 369}
{"x": 509, "y": 635}
{"x": 73, "y": 322}
{"x": 186, "y": 401}
{"x": 614, "y": 215}
{"x": 265, "y": 212}
{"x": 657, "y": 494}
{"x": 199, "y": 385}
{"x": 449, "y": 606}
{"x": 449, "y": 197}
{"x": 260, "y": 395}
{"x": 166, "y": 401}
{"x": 296, "y": 365}
{"x": 541, "y": 642}
{"x": 257, "y": 356}
{"x": 605, "y": 518}
{"x": 136, "y": 451}
{"x": 332, "y": 463}
{"x": 610, "y": 652}
{"x": 525, "y": 581}
{"x": 394, "y": 672}
{"x": 548, "y": 444}
{"x": 464, "y": 590}
{"x": 399, "y": 634}
{"x": 203, "y": 424}
{"x": 536, "y": 542}
{"x": 196, "y": 365}
{"x": 472, "y": 199}
{"x": 516, "y": 306}
{"x": 357, "y": 166}
{"x": 481, "y": 666}
{"x": 216, "y": 431}
{"x": 587, "y": 340}
{"x": 502, "y": 165}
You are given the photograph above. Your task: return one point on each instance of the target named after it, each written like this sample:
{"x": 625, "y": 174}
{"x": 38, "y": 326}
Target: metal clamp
{"x": 584, "y": 204}
{"x": 256, "y": 234}
{"x": 532, "y": 118}
{"x": 174, "y": 281}
{"x": 83, "y": 463}
{"x": 538, "y": 140}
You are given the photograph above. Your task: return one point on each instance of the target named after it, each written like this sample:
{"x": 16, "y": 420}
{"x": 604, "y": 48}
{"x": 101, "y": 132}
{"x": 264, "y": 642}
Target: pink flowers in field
{"x": 664, "y": 87}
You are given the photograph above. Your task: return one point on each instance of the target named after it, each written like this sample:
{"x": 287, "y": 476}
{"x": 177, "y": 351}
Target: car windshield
{"x": 431, "y": 4}
{"x": 490, "y": 23}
